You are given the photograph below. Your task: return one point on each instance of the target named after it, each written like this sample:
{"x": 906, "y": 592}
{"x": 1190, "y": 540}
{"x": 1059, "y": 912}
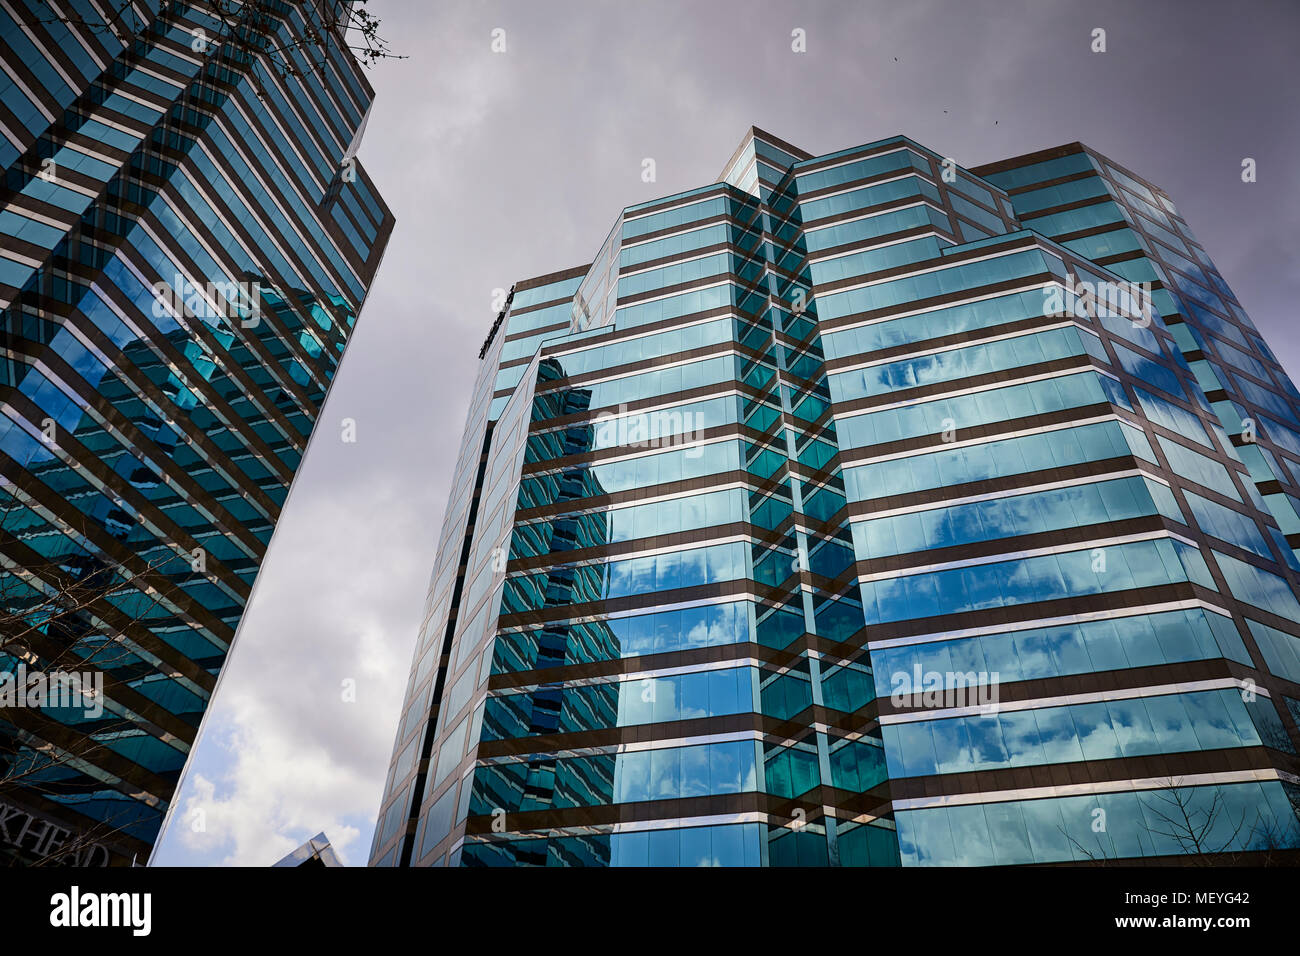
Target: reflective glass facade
{"x": 863, "y": 510}
{"x": 186, "y": 239}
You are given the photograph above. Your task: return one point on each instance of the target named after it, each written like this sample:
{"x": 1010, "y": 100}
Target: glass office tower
{"x": 186, "y": 239}
{"x": 860, "y": 509}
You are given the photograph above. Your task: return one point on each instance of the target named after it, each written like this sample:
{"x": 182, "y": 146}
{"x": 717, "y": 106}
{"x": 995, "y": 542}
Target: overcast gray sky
{"x": 502, "y": 166}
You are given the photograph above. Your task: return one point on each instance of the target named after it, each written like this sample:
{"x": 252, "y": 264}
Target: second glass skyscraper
{"x": 864, "y": 510}
{"x": 186, "y": 241}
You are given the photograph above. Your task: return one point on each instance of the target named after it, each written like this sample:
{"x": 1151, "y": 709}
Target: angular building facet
{"x": 186, "y": 239}
{"x": 861, "y": 509}
{"x": 313, "y": 854}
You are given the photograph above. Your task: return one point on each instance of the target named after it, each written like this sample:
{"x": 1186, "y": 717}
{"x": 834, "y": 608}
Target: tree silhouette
{"x": 72, "y": 614}
{"x": 250, "y": 30}
{"x": 1205, "y": 834}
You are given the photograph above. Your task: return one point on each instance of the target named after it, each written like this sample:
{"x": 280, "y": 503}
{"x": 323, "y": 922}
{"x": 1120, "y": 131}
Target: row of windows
{"x": 1003, "y": 404}
{"x": 869, "y": 196}
{"x": 870, "y": 261}
{"x": 675, "y": 273}
{"x": 621, "y": 637}
{"x": 934, "y": 323}
{"x": 1035, "y": 512}
{"x": 662, "y": 425}
{"x": 1266, "y": 399}
{"x": 646, "y": 347}
{"x": 549, "y": 292}
{"x": 1116, "y": 567}
{"x": 527, "y": 346}
{"x": 676, "y": 306}
{"x": 996, "y": 459}
{"x": 1205, "y": 319}
{"x": 679, "y": 464}
{"x": 1150, "y": 371}
{"x": 677, "y": 216}
{"x": 1086, "y": 647}
{"x": 631, "y": 388}
{"x": 666, "y": 773}
{"x": 681, "y": 243}
{"x": 1048, "y": 196}
{"x": 964, "y": 207}
{"x": 574, "y": 708}
{"x": 734, "y": 845}
{"x": 1173, "y": 417}
{"x": 1169, "y": 238}
{"x": 881, "y": 224}
{"x": 1138, "y": 726}
{"x": 644, "y": 575}
{"x": 1104, "y": 244}
{"x": 954, "y": 279}
{"x": 1075, "y": 220}
{"x": 1193, "y": 466}
{"x": 1259, "y": 588}
{"x": 1282, "y": 436}
{"x": 1251, "y": 816}
{"x": 1231, "y": 526}
{"x": 539, "y": 318}
{"x": 1281, "y": 650}
{"x": 861, "y": 169}
{"x": 973, "y": 360}
{"x": 594, "y": 529}
{"x": 656, "y": 428}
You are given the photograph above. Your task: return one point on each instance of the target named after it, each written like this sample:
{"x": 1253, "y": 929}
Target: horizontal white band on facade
{"x": 872, "y": 213}
{"x": 631, "y": 676}
{"x": 681, "y": 258}
{"x": 867, "y": 245}
{"x": 605, "y": 561}
{"x": 12, "y": 137}
{"x": 1257, "y": 775}
{"x": 11, "y": 256}
{"x": 1083, "y": 617}
{"x": 625, "y": 748}
{"x": 46, "y": 219}
{"x": 728, "y": 280}
{"x": 1029, "y": 553}
{"x": 148, "y": 70}
{"x": 1066, "y": 700}
{"x": 726, "y": 389}
{"x": 558, "y": 350}
{"x": 720, "y": 819}
{"x": 838, "y": 813}
{"x": 647, "y": 452}
{"x": 686, "y": 201}
{"x": 624, "y": 505}
{"x": 634, "y": 826}
{"x": 857, "y": 158}
{"x": 635, "y": 612}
